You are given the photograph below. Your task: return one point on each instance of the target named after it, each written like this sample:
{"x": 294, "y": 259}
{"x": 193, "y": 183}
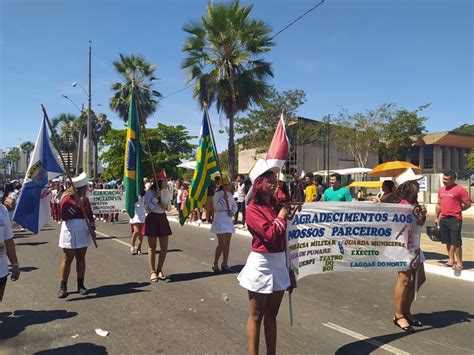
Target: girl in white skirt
{"x": 265, "y": 274}
{"x": 137, "y": 223}
{"x": 75, "y": 236}
{"x": 223, "y": 224}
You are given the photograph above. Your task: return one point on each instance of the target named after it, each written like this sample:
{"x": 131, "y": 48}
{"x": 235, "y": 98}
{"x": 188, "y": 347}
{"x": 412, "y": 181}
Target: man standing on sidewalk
{"x": 452, "y": 200}
{"x": 337, "y": 192}
{"x": 239, "y": 196}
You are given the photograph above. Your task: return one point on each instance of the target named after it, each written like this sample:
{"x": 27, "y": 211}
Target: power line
{"x": 296, "y": 20}
{"x": 276, "y": 34}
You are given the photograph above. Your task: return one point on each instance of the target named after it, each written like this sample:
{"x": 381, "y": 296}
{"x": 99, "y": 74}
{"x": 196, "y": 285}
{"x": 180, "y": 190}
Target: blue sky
{"x": 345, "y": 54}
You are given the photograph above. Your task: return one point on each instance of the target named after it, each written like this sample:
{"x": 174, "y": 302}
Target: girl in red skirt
{"x": 157, "y": 199}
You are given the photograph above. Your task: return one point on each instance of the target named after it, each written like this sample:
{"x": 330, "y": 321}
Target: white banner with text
{"x": 352, "y": 236}
{"x": 106, "y": 200}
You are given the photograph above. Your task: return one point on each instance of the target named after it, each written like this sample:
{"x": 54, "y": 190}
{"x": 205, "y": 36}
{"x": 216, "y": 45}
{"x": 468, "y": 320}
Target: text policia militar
{"x": 344, "y": 217}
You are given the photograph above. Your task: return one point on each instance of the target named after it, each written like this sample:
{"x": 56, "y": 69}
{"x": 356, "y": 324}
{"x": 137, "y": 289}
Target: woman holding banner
{"x": 407, "y": 193}
{"x": 223, "y": 224}
{"x": 157, "y": 199}
{"x": 75, "y": 235}
{"x": 265, "y": 275}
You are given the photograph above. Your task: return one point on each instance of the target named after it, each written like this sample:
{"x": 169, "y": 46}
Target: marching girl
{"x": 75, "y": 236}
{"x": 265, "y": 275}
{"x": 407, "y": 193}
{"x": 157, "y": 199}
{"x": 137, "y": 223}
{"x": 223, "y": 223}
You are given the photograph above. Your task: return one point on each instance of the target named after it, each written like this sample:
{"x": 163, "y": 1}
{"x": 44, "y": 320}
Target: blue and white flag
{"x": 32, "y": 208}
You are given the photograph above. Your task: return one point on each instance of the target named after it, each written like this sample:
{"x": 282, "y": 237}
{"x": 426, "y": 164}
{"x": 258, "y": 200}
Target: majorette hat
{"x": 161, "y": 175}
{"x": 407, "y": 175}
{"x": 261, "y": 167}
{"x": 80, "y": 180}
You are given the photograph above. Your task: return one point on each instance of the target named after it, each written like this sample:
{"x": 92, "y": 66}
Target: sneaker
{"x": 62, "y": 293}
{"x": 83, "y": 291}
{"x": 199, "y": 221}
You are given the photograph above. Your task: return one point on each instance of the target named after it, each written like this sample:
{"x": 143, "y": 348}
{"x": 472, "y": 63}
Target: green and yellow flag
{"x": 133, "y": 179}
{"x": 206, "y": 165}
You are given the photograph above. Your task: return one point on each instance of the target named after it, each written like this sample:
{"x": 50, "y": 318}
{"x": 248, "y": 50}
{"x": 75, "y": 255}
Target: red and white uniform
{"x": 74, "y": 231}
{"x": 265, "y": 270}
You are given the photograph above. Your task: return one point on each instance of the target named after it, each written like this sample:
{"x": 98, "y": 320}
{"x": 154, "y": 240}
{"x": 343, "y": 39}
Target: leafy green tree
{"x": 137, "y": 72}
{"x": 27, "y": 147}
{"x": 359, "y": 133}
{"x": 223, "y": 52}
{"x": 465, "y": 128}
{"x": 470, "y": 161}
{"x": 258, "y": 127}
{"x": 169, "y": 146}
{"x": 400, "y": 129}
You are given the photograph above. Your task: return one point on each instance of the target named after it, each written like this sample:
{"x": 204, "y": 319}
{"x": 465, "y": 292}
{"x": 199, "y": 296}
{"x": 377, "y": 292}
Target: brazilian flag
{"x": 206, "y": 164}
{"x": 133, "y": 178}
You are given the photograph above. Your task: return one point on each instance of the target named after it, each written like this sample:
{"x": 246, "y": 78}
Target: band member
{"x": 157, "y": 200}
{"x": 75, "y": 234}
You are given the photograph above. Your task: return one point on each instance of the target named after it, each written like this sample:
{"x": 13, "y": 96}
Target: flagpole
{"x": 77, "y": 200}
{"x": 142, "y": 122}
{"x": 215, "y": 151}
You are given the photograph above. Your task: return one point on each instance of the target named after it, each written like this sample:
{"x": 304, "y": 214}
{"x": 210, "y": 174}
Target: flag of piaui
{"x": 132, "y": 179}
{"x": 206, "y": 164}
{"x": 32, "y": 208}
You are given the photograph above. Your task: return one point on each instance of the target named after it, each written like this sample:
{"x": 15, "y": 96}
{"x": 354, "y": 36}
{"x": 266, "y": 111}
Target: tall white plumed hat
{"x": 80, "y": 180}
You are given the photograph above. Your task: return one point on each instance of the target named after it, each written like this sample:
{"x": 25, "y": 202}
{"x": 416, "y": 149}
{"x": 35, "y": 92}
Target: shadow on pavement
{"x": 28, "y": 268}
{"x": 113, "y": 290}
{"x": 80, "y": 348}
{"x": 442, "y": 258}
{"x": 14, "y": 323}
{"x": 201, "y": 274}
{"x": 435, "y": 320}
{"x": 31, "y": 244}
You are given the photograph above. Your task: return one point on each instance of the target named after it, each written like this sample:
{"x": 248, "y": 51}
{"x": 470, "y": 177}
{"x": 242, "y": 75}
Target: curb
{"x": 429, "y": 268}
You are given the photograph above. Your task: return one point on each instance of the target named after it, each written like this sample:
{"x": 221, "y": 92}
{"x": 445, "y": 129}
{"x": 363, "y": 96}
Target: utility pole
{"x": 90, "y": 153}
{"x": 327, "y": 141}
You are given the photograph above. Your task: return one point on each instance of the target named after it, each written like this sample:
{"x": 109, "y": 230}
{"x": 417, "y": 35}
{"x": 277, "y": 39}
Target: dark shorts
{"x": 157, "y": 225}
{"x": 450, "y": 231}
{"x": 3, "y": 282}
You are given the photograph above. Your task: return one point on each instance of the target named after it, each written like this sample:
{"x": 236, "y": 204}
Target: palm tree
{"x": 222, "y": 58}
{"x": 139, "y": 73}
{"x": 13, "y": 155}
{"x": 27, "y": 147}
{"x": 65, "y": 127}
{"x": 101, "y": 126}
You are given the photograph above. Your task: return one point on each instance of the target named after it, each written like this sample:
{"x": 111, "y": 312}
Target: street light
{"x": 90, "y": 157}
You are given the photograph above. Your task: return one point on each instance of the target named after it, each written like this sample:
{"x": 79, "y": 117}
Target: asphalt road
{"x": 342, "y": 313}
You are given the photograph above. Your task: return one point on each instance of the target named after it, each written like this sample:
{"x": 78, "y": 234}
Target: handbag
{"x": 433, "y": 233}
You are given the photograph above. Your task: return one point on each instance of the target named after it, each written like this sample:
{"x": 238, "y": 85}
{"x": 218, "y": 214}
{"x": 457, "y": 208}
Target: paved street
{"x": 343, "y": 313}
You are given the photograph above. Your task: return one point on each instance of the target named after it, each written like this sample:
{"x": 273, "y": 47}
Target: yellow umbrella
{"x": 367, "y": 184}
{"x": 393, "y": 168}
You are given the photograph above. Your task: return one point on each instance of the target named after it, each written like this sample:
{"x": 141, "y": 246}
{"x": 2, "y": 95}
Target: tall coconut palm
{"x": 101, "y": 126}
{"x": 138, "y": 72}
{"x": 65, "y": 127}
{"x": 223, "y": 58}
{"x": 27, "y": 147}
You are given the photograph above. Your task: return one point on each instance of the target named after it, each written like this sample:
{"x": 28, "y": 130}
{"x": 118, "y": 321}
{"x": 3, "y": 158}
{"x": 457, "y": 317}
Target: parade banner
{"x": 107, "y": 200}
{"x": 356, "y": 236}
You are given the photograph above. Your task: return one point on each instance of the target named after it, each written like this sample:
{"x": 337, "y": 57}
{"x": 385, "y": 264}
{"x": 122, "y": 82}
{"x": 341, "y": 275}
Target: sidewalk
{"x": 435, "y": 253}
